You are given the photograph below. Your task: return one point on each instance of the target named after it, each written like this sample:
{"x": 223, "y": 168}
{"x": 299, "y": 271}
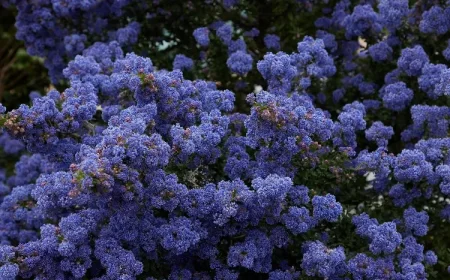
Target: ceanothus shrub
{"x": 238, "y": 145}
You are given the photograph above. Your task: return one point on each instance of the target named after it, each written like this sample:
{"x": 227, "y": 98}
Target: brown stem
{"x": 17, "y": 78}
{"x": 10, "y": 55}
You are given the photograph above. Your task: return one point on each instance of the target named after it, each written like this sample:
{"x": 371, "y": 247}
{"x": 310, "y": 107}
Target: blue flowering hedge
{"x": 234, "y": 139}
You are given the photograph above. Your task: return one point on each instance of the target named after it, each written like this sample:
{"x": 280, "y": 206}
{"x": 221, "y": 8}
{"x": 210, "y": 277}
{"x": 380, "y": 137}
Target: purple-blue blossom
{"x": 412, "y": 60}
{"x": 435, "y": 20}
{"x": 384, "y": 238}
{"x": 393, "y": 12}
{"x": 225, "y": 33}
{"x": 321, "y": 261}
{"x": 380, "y": 52}
{"x": 272, "y": 42}
{"x": 364, "y": 21}
{"x": 201, "y": 35}
{"x": 379, "y": 133}
{"x": 298, "y": 220}
{"x": 326, "y": 208}
{"x": 396, "y": 96}
{"x": 240, "y": 62}
{"x": 182, "y": 62}
{"x": 416, "y": 222}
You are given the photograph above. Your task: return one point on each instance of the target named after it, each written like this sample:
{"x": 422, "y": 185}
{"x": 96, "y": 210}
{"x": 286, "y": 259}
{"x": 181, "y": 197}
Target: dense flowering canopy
{"x": 175, "y": 147}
